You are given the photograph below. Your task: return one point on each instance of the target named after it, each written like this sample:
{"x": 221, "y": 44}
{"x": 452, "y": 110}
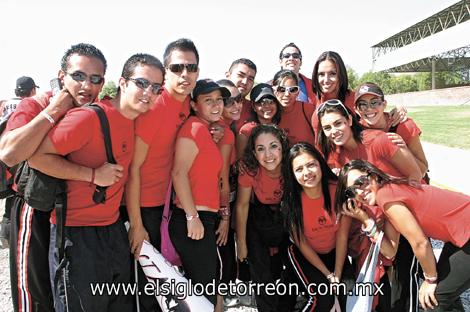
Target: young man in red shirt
{"x": 26, "y": 129}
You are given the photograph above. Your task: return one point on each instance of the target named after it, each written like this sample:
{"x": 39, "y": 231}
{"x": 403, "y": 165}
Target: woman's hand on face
{"x": 195, "y": 229}
{"x": 353, "y": 209}
{"x": 426, "y": 295}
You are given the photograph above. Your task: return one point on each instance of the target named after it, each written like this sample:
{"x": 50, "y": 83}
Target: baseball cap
{"x": 204, "y": 86}
{"x": 368, "y": 88}
{"x": 25, "y": 84}
{"x": 261, "y": 91}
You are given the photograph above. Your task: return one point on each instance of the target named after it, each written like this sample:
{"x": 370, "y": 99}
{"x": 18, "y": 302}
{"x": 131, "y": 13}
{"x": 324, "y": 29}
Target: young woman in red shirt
{"x": 416, "y": 213}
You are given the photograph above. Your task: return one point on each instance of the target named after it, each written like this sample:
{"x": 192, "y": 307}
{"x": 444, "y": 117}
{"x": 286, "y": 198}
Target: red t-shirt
{"x": 206, "y": 167}
{"x": 245, "y": 114}
{"x": 320, "y": 227}
{"x": 408, "y": 129}
{"x": 442, "y": 214}
{"x": 376, "y": 148}
{"x": 158, "y": 129}
{"x": 26, "y": 110}
{"x": 296, "y": 124}
{"x": 228, "y": 139}
{"x": 267, "y": 189}
{"x": 247, "y": 128}
{"x": 78, "y": 136}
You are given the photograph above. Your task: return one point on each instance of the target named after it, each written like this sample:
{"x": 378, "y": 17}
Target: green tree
{"x": 109, "y": 89}
{"x": 353, "y": 78}
{"x": 382, "y": 79}
{"x": 404, "y": 83}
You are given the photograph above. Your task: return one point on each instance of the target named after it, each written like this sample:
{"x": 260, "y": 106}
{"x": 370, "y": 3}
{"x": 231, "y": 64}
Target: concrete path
{"x": 448, "y": 167}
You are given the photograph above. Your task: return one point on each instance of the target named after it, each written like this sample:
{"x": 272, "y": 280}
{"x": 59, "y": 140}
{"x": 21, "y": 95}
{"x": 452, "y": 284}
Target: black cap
{"x": 368, "y": 88}
{"x": 205, "y": 86}
{"x": 25, "y": 84}
{"x": 261, "y": 91}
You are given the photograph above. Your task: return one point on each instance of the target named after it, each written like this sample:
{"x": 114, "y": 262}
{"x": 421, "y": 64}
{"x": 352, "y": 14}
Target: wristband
{"x": 189, "y": 218}
{"x": 224, "y": 211}
{"x": 48, "y": 117}
{"x": 92, "y": 176}
{"x": 430, "y": 279}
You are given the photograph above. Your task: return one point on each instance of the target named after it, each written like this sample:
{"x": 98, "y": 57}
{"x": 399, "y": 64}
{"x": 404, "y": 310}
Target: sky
{"x": 35, "y": 34}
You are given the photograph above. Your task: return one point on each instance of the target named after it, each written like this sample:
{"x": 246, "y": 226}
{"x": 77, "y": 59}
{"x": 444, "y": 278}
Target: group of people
{"x": 278, "y": 182}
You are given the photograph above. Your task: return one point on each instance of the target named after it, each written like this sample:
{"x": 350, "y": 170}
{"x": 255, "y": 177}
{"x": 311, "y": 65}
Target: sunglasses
{"x": 364, "y": 105}
{"x": 288, "y": 55}
{"x": 361, "y": 183}
{"x": 143, "y": 84}
{"x": 265, "y": 101}
{"x": 331, "y": 103}
{"x": 81, "y": 76}
{"x": 291, "y": 90}
{"x": 178, "y": 68}
{"x": 231, "y": 100}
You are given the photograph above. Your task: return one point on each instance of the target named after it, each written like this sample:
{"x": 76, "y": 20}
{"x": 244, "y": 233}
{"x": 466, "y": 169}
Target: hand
{"x": 136, "y": 235}
{"x": 396, "y": 139}
{"x": 108, "y": 174}
{"x": 222, "y": 232}
{"x": 352, "y": 209}
{"x": 195, "y": 229}
{"x": 426, "y": 295}
{"x": 398, "y": 115}
{"x": 217, "y": 131}
{"x": 59, "y": 104}
{"x": 336, "y": 170}
{"x": 242, "y": 251}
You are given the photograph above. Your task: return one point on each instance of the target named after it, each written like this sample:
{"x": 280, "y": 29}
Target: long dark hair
{"x": 327, "y": 146}
{"x": 292, "y": 197}
{"x": 342, "y": 73}
{"x": 362, "y": 165}
{"x": 250, "y": 163}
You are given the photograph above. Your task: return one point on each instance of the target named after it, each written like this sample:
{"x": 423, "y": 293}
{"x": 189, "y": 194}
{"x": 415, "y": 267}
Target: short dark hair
{"x": 244, "y": 61}
{"x": 183, "y": 44}
{"x": 83, "y": 49}
{"x": 342, "y": 74}
{"x": 284, "y": 73}
{"x": 289, "y": 45}
{"x": 141, "y": 59}
{"x": 21, "y": 93}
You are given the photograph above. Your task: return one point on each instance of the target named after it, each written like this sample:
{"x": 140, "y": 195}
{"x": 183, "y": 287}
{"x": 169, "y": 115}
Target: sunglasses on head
{"x": 363, "y": 105}
{"x": 231, "y": 100}
{"x": 331, "y": 103}
{"x": 359, "y": 184}
{"x": 81, "y": 76}
{"x": 288, "y": 55}
{"x": 143, "y": 84}
{"x": 178, "y": 68}
{"x": 291, "y": 90}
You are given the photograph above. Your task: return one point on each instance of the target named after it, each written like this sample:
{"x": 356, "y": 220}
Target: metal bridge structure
{"x": 440, "y": 42}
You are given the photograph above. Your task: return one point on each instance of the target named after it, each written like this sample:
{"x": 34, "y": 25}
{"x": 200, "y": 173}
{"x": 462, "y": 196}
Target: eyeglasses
{"x": 291, "y": 90}
{"x": 178, "y": 68}
{"x": 231, "y": 100}
{"x": 81, "y": 76}
{"x": 288, "y": 55}
{"x": 333, "y": 102}
{"x": 143, "y": 84}
{"x": 364, "y": 105}
{"x": 361, "y": 183}
{"x": 265, "y": 101}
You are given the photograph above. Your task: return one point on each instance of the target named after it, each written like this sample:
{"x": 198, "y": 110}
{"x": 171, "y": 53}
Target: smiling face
{"x": 286, "y": 98}
{"x": 371, "y": 109}
{"x": 265, "y": 109}
{"x": 337, "y": 128}
{"x": 268, "y": 152}
{"x": 209, "y": 107}
{"x": 233, "y": 111}
{"x": 307, "y": 171}
{"x": 364, "y": 187}
{"x": 291, "y": 62}
{"x": 328, "y": 78}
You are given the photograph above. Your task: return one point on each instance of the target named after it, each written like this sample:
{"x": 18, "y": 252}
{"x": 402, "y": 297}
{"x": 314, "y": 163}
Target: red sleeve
{"x": 245, "y": 180}
{"x": 74, "y": 131}
{"x": 382, "y": 146}
{"x": 247, "y": 128}
{"x": 389, "y": 193}
{"x": 408, "y": 130}
{"x": 26, "y": 110}
{"x": 147, "y": 125}
{"x": 196, "y": 131}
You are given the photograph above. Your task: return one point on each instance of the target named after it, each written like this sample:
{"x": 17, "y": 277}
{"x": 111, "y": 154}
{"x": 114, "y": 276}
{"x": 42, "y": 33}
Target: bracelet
{"x": 48, "y": 117}
{"x": 224, "y": 211}
{"x": 430, "y": 279}
{"x": 189, "y": 218}
{"x": 92, "y": 176}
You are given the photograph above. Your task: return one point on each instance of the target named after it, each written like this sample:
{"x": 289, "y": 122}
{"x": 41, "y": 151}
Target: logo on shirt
{"x": 277, "y": 194}
{"x": 321, "y": 220}
{"x": 124, "y": 147}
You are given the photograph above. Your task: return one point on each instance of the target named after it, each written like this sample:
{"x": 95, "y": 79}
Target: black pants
{"x": 199, "y": 257}
{"x": 29, "y": 266}
{"x": 228, "y": 258}
{"x": 94, "y": 255}
{"x": 9, "y": 201}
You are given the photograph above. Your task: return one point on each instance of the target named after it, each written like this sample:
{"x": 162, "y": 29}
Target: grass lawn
{"x": 445, "y": 125}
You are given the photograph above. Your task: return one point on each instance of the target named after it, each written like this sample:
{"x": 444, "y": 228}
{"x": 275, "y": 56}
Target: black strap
{"x": 309, "y": 123}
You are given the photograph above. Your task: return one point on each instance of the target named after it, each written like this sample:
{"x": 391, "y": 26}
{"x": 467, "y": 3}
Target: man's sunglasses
{"x": 143, "y": 84}
{"x": 231, "y": 100}
{"x": 291, "y": 90}
{"x": 81, "y": 76}
{"x": 364, "y": 105}
{"x": 329, "y": 103}
{"x": 361, "y": 182}
{"x": 288, "y": 55}
{"x": 178, "y": 68}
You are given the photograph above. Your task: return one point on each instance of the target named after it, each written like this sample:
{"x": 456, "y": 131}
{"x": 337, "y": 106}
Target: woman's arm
{"x": 224, "y": 224}
{"x": 342, "y": 237}
{"x": 185, "y": 152}
{"x": 310, "y": 254}
{"x": 137, "y": 232}
{"x": 417, "y": 150}
{"x": 242, "y": 209}
{"x": 405, "y": 162}
{"x": 242, "y": 140}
